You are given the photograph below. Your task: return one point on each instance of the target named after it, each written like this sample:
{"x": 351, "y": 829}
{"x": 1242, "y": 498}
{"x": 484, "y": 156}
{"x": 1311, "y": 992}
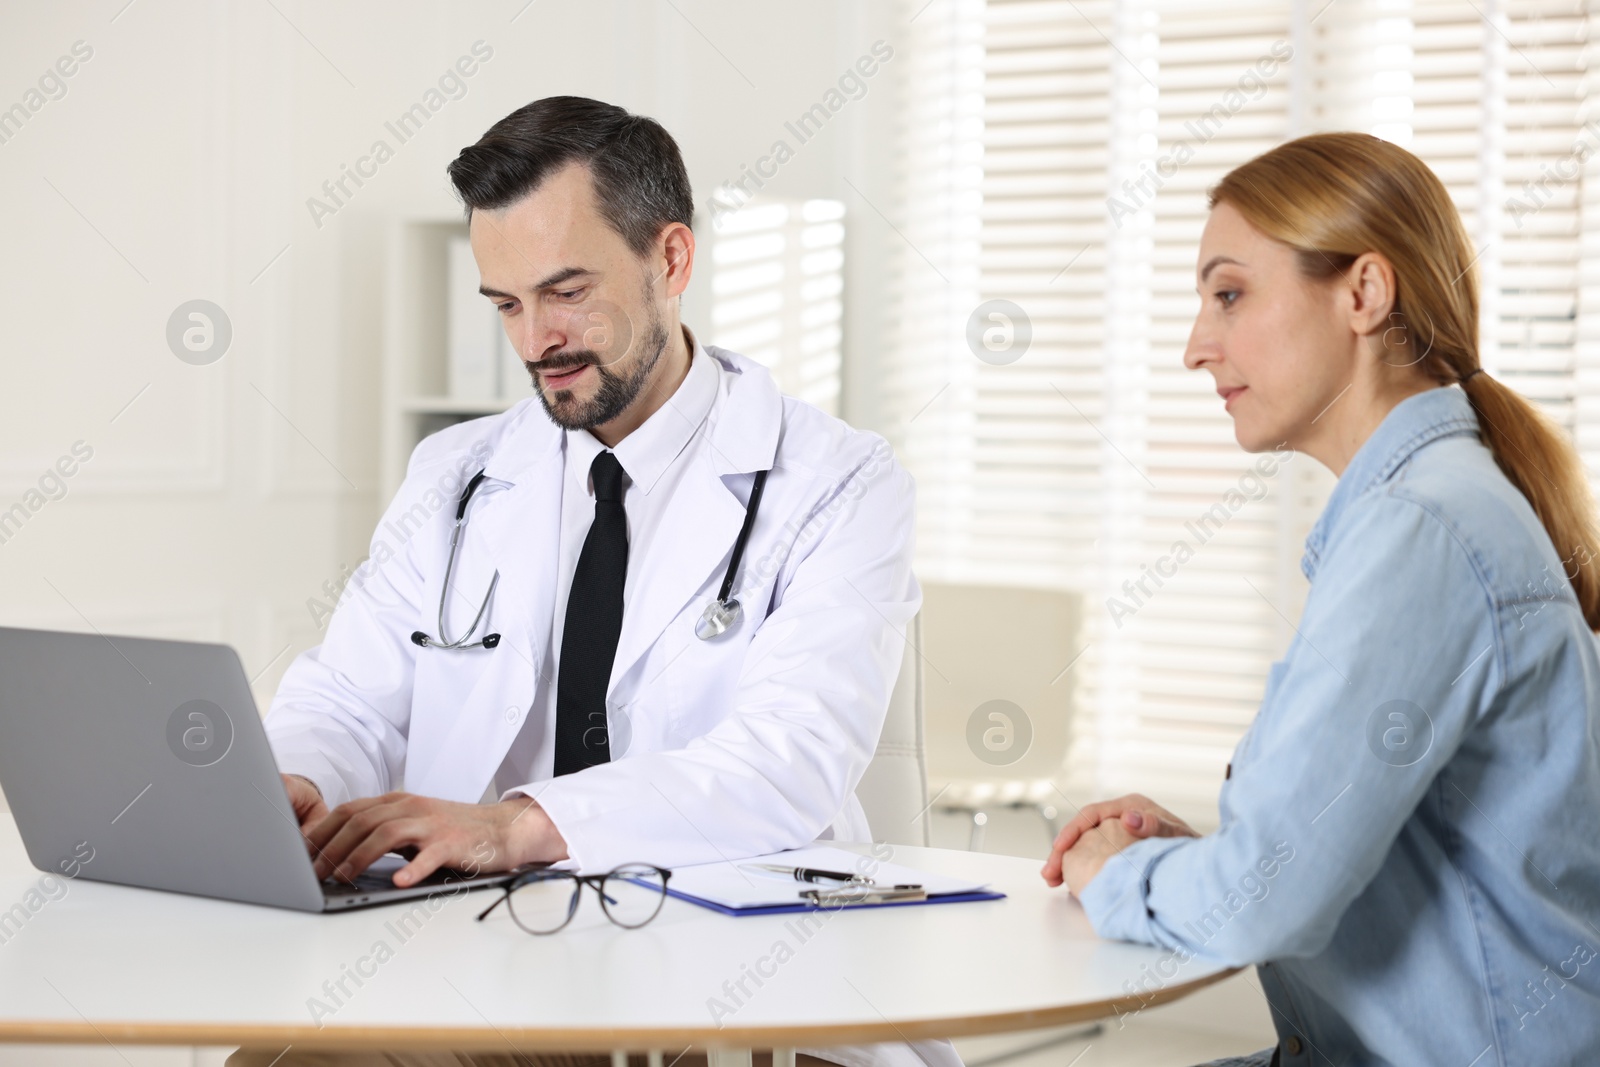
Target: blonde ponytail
{"x": 1335, "y": 196}
{"x": 1535, "y": 455}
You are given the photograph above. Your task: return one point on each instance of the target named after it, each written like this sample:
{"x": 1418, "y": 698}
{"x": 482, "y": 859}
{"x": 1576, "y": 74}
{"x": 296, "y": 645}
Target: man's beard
{"x": 616, "y": 392}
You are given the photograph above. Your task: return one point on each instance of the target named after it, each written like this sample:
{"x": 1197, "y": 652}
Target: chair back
{"x": 894, "y": 789}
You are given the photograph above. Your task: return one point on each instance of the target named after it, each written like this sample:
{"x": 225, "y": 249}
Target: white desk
{"x": 108, "y": 963}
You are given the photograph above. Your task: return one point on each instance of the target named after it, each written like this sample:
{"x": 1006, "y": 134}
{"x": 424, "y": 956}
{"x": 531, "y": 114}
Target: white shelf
{"x": 416, "y": 344}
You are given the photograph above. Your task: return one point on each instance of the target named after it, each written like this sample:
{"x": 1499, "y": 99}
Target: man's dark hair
{"x": 638, "y": 174}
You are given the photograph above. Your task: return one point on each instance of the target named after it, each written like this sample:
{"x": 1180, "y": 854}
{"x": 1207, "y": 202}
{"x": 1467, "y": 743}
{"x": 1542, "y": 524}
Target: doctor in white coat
{"x": 593, "y": 724}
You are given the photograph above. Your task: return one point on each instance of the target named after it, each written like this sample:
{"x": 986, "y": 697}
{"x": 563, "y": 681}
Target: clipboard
{"x": 731, "y": 889}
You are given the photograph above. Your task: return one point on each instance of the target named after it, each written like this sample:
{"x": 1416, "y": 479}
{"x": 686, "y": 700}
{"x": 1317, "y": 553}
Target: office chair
{"x": 894, "y": 788}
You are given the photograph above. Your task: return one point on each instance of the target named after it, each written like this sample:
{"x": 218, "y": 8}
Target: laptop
{"x": 145, "y": 763}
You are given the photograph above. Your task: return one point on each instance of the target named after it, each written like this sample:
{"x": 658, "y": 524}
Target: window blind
{"x": 1189, "y": 601}
{"x": 1057, "y": 155}
{"x": 777, "y": 284}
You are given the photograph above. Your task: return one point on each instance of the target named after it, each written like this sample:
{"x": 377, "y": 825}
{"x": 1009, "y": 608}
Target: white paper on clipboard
{"x": 730, "y": 885}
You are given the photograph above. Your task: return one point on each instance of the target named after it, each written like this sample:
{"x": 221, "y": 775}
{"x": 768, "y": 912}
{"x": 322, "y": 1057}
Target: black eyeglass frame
{"x": 594, "y": 881}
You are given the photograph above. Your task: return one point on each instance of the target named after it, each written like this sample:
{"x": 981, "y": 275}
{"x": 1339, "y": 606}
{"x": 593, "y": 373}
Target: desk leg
{"x": 653, "y": 1058}
{"x": 728, "y": 1058}
{"x": 783, "y": 1057}
{"x": 619, "y": 1058}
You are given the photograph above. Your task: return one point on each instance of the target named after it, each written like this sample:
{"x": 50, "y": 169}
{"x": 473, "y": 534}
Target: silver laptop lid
{"x": 144, "y": 762}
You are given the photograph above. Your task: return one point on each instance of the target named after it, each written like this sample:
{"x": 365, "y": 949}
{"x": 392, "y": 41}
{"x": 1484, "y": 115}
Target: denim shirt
{"x": 1410, "y": 834}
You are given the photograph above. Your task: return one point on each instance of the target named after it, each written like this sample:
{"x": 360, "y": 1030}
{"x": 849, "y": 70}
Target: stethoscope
{"x": 465, "y": 640}
{"x": 723, "y": 612}
{"x": 719, "y": 616}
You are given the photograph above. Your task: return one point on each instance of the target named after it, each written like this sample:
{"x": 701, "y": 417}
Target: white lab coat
{"x": 756, "y": 738}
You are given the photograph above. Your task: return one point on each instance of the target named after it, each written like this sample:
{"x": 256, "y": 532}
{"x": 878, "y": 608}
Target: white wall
{"x": 178, "y": 165}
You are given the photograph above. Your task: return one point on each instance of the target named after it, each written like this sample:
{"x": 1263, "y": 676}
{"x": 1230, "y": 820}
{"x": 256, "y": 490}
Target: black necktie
{"x": 594, "y": 621}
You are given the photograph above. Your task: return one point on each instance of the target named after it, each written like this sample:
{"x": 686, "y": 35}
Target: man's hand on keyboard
{"x": 476, "y": 838}
{"x": 306, "y": 800}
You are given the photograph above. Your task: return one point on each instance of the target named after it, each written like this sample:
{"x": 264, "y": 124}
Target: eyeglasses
{"x": 544, "y": 901}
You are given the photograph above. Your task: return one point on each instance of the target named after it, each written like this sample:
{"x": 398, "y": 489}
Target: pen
{"x": 812, "y": 874}
{"x": 805, "y": 874}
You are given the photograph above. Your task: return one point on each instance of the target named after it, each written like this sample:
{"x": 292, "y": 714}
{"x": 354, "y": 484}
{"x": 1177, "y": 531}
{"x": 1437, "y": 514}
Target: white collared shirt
{"x": 653, "y": 459}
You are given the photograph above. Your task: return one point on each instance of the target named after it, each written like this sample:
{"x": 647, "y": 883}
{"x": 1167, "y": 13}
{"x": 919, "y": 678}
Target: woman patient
{"x": 1410, "y": 836}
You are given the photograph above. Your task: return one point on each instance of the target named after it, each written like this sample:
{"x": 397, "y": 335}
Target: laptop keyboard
{"x": 363, "y": 883}
{"x": 368, "y": 883}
